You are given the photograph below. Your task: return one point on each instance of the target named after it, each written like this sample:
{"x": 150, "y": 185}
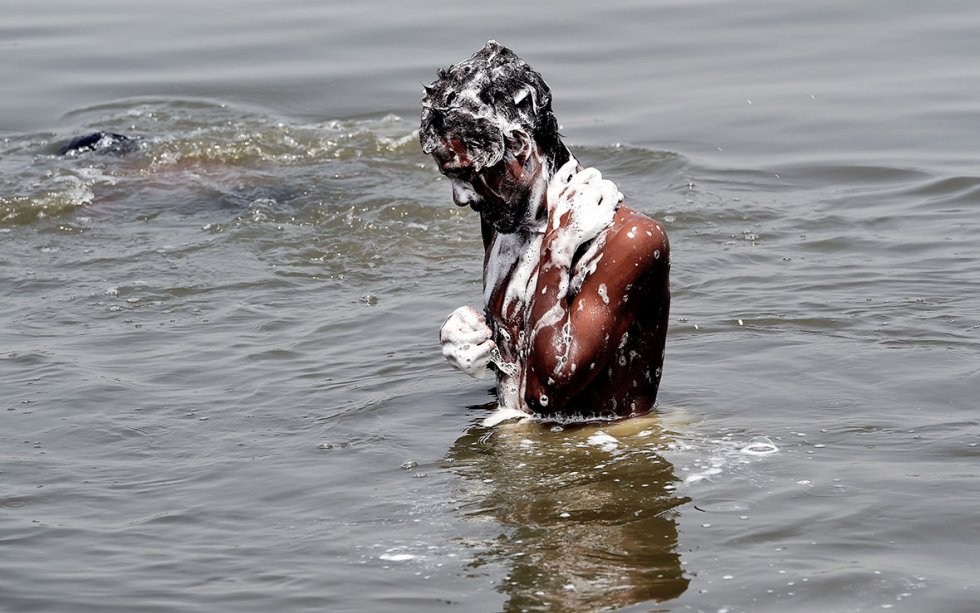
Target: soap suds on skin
{"x": 583, "y": 206}
{"x": 603, "y": 293}
{"x": 466, "y": 341}
{"x": 457, "y": 97}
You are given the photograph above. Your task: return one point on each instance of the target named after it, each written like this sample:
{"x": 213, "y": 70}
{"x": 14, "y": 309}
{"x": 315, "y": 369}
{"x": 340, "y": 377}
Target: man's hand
{"x": 466, "y": 341}
{"x": 581, "y": 204}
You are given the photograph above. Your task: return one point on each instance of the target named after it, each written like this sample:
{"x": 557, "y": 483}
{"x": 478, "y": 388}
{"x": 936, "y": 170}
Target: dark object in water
{"x": 108, "y": 143}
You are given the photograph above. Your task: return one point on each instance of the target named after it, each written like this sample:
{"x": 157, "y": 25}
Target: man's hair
{"x": 485, "y": 99}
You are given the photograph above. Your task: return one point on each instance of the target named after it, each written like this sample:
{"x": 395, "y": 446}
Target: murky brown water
{"x": 222, "y": 389}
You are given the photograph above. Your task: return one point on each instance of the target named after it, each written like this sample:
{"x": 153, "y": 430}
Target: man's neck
{"x": 537, "y": 198}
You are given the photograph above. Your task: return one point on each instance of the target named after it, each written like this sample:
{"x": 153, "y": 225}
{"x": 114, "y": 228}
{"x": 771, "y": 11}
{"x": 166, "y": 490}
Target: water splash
{"x": 760, "y": 445}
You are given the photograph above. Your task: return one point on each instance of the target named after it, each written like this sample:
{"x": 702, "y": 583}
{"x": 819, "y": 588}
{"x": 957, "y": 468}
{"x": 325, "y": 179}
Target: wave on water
{"x": 196, "y": 146}
{"x": 700, "y": 456}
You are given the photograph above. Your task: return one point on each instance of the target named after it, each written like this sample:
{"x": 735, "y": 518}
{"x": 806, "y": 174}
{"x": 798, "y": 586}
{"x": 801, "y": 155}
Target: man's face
{"x": 499, "y": 193}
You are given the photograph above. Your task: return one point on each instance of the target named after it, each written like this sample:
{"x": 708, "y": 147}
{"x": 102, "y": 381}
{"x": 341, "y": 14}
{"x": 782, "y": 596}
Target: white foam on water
{"x": 503, "y": 414}
{"x": 397, "y": 557}
{"x": 603, "y": 441}
{"x": 760, "y": 445}
{"x": 711, "y": 459}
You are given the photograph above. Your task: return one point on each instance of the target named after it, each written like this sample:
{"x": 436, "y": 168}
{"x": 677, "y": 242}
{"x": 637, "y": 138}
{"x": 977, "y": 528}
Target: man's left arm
{"x": 574, "y": 336}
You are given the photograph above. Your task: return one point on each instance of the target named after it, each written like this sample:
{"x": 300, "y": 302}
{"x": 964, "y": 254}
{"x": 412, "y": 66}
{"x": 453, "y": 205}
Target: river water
{"x": 221, "y": 383}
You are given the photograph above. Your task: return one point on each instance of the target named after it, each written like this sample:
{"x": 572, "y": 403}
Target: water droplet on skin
{"x": 603, "y": 293}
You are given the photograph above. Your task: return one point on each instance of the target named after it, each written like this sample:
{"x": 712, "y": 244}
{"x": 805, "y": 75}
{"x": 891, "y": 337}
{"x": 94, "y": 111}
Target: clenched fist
{"x": 466, "y": 341}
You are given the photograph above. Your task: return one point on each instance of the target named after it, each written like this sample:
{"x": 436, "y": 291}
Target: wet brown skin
{"x": 616, "y": 344}
{"x": 610, "y": 378}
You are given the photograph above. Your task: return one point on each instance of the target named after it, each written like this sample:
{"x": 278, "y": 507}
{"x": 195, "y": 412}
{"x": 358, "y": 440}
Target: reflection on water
{"x": 589, "y": 512}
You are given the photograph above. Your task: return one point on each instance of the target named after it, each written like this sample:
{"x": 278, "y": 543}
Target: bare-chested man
{"x": 575, "y": 284}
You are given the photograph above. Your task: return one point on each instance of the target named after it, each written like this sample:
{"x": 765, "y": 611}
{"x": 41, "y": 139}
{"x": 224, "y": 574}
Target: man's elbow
{"x": 549, "y": 386}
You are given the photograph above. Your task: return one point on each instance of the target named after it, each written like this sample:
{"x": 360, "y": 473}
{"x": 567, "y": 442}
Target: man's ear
{"x": 519, "y": 144}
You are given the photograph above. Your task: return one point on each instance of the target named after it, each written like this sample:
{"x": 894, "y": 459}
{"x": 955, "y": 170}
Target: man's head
{"x": 482, "y": 117}
{"x": 482, "y": 100}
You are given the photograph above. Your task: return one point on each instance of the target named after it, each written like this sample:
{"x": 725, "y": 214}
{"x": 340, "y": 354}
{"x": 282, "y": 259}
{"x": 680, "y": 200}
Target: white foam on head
{"x": 491, "y": 73}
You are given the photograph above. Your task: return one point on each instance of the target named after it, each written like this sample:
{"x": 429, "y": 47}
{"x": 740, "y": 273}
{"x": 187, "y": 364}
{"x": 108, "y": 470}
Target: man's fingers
{"x": 486, "y": 347}
{"x": 465, "y": 323}
{"x": 471, "y": 358}
{"x": 587, "y": 176}
{"x": 464, "y": 337}
{"x": 567, "y": 171}
{"x": 471, "y": 317}
{"x": 609, "y": 194}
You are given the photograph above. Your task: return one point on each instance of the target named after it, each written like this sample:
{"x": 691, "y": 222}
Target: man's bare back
{"x": 576, "y": 294}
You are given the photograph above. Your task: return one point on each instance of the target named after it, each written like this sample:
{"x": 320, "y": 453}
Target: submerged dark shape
{"x": 107, "y": 143}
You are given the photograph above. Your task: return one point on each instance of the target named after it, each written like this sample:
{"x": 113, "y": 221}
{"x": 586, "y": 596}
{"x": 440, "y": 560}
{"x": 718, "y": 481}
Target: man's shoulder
{"x": 635, "y": 246}
{"x": 637, "y": 232}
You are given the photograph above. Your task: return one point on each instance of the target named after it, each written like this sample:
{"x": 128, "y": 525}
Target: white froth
{"x": 518, "y": 255}
{"x": 760, "y": 445}
{"x": 465, "y": 345}
{"x": 503, "y": 414}
{"x": 603, "y": 293}
{"x": 396, "y": 557}
{"x": 603, "y": 441}
{"x": 581, "y": 205}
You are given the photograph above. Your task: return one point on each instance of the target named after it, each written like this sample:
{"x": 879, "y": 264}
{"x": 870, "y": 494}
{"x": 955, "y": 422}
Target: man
{"x": 575, "y": 284}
